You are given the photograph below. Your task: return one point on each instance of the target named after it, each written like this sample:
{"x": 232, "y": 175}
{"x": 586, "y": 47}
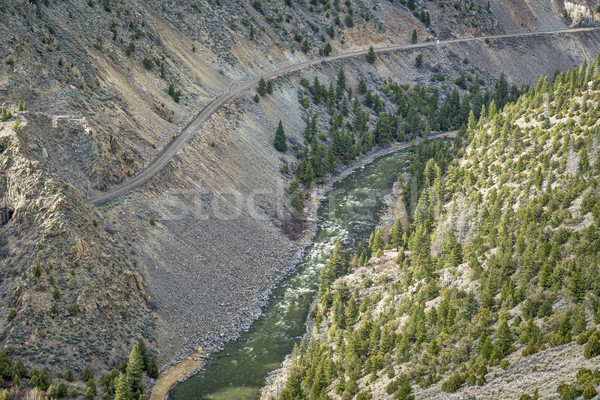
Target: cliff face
{"x": 96, "y": 78}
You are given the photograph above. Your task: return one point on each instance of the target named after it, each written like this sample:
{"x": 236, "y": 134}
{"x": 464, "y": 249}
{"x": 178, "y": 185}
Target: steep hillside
{"x": 107, "y": 86}
{"x": 493, "y": 289}
{"x": 70, "y": 292}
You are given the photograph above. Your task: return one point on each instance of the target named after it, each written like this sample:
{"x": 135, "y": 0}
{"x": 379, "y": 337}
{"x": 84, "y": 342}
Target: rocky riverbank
{"x": 316, "y": 196}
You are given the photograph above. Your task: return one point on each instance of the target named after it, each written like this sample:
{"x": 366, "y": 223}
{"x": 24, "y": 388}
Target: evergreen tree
{"x": 153, "y": 368}
{"x": 62, "y": 390}
{"x": 269, "y": 87}
{"x": 341, "y": 78}
{"x": 376, "y": 241}
{"x": 280, "y": 139}
{"x": 371, "y": 55}
{"x": 5, "y": 395}
{"x": 419, "y": 60}
{"x": 135, "y": 367}
{"x": 577, "y": 286}
{"x": 92, "y": 385}
{"x": 86, "y": 375}
{"x": 414, "y": 37}
{"x": 352, "y": 312}
{"x": 405, "y": 391}
{"x": 143, "y": 352}
{"x": 592, "y": 348}
{"x": 122, "y": 388}
{"x": 69, "y": 376}
{"x": 396, "y": 233}
{"x": 505, "y": 340}
{"x": 251, "y": 32}
{"x": 262, "y": 87}
{"x": 362, "y": 88}
{"x": 89, "y": 395}
{"x": 309, "y": 175}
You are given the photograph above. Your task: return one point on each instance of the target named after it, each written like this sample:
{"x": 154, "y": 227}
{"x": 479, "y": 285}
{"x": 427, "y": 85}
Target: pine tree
{"x": 251, "y": 32}
{"x": 396, "y": 233}
{"x": 280, "y": 139}
{"x": 405, "y": 391}
{"x": 577, "y": 286}
{"x": 5, "y": 114}
{"x": 62, "y": 390}
{"x": 341, "y": 79}
{"x": 122, "y": 389}
{"x": 262, "y": 87}
{"x": 269, "y": 87}
{"x": 352, "y": 312}
{"x": 19, "y": 368}
{"x": 89, "y": 395}
{"x": 69, "y": 376}
{"x": 361, "y": 88}
{"x": 414, "y": 37}
{"x": 484, "y": 347}
{"x": 92, "y": 385}
{"x": 371, "y": 55}
{"x": 309, "y": 175}
{"x": 419, "y": 60}
{"x": 592, "y": 348}
{"x": 505, "y": 340}
{"x": 87, "y": 374}
{"x": 153, "y": 369}
{"x": 135, "y": 367}
{"x": 5, "y": 395}
{"x": 376, "y": 241}
{"x": 143, "y": 352}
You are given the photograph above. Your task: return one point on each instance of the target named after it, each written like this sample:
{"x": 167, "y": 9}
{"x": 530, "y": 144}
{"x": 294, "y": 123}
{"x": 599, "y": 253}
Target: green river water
{"x": 349, "y": 214}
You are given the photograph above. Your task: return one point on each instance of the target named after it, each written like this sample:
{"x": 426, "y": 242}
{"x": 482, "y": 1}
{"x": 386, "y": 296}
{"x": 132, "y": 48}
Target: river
{"x": 350, "y": 214}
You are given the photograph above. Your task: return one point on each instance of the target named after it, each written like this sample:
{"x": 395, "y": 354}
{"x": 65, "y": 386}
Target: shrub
{"x": 11, "y": 314}
{"x": 567, "y": 392}
{"x": 148, "y": 63}
{"x": 453, "y": 383}
{"x": 130, "y": 49}
{"x": 589, "y": 391}
{"x": 592, "y": 348}
{"x": 304, "y": 102}
{"x": 72, "y": 309}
